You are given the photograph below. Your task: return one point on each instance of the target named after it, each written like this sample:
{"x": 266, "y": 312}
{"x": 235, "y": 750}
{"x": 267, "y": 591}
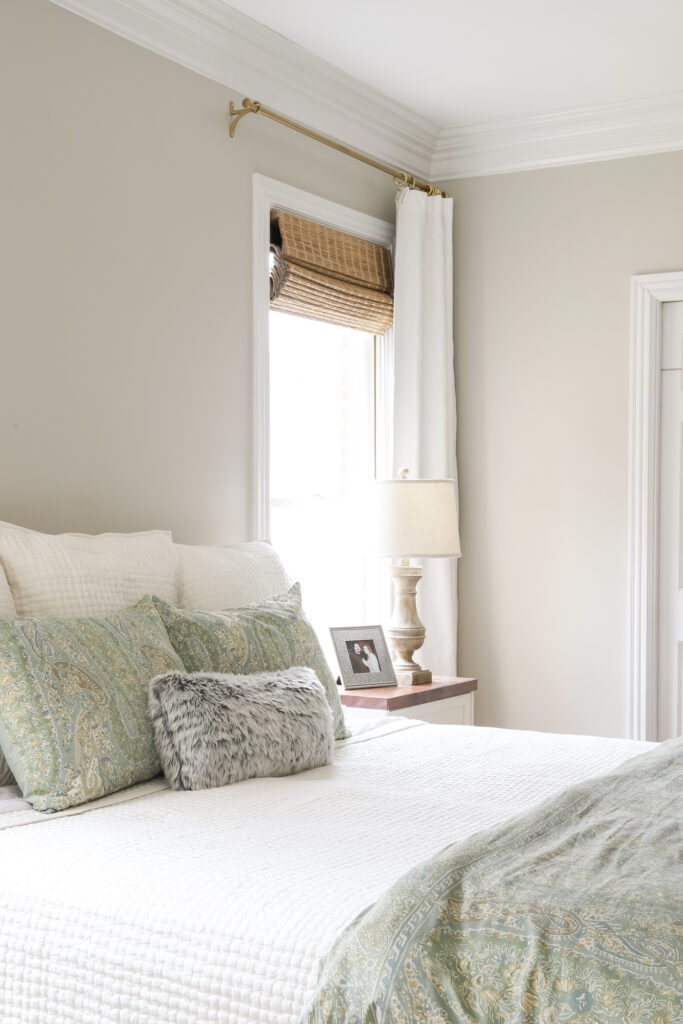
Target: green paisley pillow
{"x": 73, "y": 703}
{"x": 264, "y": 637}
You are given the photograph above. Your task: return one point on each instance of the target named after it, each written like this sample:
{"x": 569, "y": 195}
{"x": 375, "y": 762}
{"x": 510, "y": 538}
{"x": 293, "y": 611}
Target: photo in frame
{"x": 363, "y": 656}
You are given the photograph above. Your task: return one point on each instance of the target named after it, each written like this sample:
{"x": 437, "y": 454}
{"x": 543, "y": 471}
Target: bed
{"x": 154, "y": 906}
{"x": 216, "y": 906}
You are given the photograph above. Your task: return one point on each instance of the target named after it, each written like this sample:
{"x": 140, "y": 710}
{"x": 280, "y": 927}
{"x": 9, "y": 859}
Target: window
{"x": 326, "y": 390}
{"x": 322, "y": 455}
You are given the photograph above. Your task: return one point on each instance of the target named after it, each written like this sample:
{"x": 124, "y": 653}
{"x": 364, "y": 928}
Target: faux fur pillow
{"x": 213, "y": 729}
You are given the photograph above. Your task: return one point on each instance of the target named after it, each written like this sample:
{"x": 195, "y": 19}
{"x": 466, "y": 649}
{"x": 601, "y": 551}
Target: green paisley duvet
{"x": 571, "y": 914}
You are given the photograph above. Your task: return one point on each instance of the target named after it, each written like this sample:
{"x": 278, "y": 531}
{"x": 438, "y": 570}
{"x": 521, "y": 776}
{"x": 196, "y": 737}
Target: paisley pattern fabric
{"x": 572, "y": 914}
{"x": 73, "y": 703}
{"x": 263, "y": 637}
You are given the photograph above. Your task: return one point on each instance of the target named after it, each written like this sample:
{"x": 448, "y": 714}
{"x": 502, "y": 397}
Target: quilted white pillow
{"x": 74, "y": 574}
{"x": 7, "y": 609}
{"x": 216, "y": 578}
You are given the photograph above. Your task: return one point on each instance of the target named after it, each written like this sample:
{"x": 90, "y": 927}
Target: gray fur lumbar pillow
{"x": 213, "y": 729}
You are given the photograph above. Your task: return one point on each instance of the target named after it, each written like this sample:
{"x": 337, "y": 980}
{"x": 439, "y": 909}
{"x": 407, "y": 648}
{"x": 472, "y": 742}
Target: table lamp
{"x": 413, "y": 519}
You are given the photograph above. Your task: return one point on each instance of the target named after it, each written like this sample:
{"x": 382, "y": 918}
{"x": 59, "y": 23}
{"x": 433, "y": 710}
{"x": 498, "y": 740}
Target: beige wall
{"x": 543, "y": 267}
{"x": 125, "y": 342}
{"x": 125, "y": 308}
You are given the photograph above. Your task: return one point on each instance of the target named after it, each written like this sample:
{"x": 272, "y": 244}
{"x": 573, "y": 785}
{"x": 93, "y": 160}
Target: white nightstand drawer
{"x": 450, "y": 711}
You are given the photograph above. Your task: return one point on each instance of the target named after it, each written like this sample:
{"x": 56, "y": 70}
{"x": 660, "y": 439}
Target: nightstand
{"x": 447, "y": 700}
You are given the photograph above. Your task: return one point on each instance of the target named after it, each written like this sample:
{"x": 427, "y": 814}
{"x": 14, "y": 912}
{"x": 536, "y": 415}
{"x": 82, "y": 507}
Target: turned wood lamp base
{"x": 406, "y": 632}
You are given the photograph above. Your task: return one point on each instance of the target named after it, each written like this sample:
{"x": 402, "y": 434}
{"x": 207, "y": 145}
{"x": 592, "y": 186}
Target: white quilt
{"x": 154, "y": 907}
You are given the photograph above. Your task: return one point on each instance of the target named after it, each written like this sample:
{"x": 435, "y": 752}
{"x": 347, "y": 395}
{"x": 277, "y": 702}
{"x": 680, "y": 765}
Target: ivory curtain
{"x": 424, "y": 391}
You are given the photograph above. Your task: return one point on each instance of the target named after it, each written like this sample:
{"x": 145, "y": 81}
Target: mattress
{"x": 155, "y": 906}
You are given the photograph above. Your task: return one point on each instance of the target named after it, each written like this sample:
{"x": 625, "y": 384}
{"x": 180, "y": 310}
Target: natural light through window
{"x": 322, "y": 453}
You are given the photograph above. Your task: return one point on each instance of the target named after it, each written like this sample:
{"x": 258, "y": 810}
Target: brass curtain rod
{"x": 400, "y": 177}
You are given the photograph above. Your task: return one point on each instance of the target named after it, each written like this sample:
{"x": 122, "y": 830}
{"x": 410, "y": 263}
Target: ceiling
{"x": 440, "y": 88}
{"x": 457, "y": 62}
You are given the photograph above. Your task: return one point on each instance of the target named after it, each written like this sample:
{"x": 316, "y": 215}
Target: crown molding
{"x": 220, "y": 43}
{"x": 607, "y": 132}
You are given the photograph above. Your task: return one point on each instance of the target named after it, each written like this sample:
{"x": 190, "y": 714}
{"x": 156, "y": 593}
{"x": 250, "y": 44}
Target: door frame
{"x": 648, "y": 293}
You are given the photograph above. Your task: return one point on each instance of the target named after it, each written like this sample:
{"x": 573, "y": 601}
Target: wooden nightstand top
{"x": 393, "y": 698}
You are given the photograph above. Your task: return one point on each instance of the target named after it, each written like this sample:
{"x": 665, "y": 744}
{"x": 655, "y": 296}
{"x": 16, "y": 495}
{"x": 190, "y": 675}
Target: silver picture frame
{"x": 363, "y": 657}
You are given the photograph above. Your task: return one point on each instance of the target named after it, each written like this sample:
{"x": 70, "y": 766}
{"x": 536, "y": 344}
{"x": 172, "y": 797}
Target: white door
{"x": 670, "y": 630}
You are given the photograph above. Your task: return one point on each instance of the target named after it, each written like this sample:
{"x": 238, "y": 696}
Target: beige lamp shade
{"x": 416, "y": 518}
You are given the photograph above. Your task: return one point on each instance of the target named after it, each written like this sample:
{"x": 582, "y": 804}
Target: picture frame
{"x": 363, "y": 656}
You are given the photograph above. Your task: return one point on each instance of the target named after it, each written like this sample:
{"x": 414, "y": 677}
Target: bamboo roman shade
{"x": 325, "y": 274}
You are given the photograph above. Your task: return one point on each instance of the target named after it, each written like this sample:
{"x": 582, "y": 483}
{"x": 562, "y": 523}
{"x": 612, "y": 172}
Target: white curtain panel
{"x": 424, "y": 392}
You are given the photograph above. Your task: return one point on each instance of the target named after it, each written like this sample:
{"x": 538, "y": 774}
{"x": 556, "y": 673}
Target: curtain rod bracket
{"x": 401, "y": 179}
{"x": 236, "y": 115}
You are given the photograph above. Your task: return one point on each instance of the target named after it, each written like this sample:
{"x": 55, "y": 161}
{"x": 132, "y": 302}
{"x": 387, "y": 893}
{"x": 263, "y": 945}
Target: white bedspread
{"x": 208, "y": 907}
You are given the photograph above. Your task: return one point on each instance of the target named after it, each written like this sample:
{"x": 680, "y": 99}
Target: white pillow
{"x": 7, "y": 609}
{"x": 216, "y": 578}
{"x": 73, "y": 574}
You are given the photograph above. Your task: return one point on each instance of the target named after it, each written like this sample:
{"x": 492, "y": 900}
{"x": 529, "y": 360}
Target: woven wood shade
{"x": 324, "y": 274}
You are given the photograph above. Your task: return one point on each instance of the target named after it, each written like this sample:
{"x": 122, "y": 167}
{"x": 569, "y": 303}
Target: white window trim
{"x": 267, "y": 194}
{"x": 648, "y": 293}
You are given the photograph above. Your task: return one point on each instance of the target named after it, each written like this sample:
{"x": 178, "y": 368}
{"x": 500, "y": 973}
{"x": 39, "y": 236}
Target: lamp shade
{"x": 415, "y": 518}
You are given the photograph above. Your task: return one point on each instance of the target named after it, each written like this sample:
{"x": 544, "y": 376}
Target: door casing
{"x": 648, "y": 293}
